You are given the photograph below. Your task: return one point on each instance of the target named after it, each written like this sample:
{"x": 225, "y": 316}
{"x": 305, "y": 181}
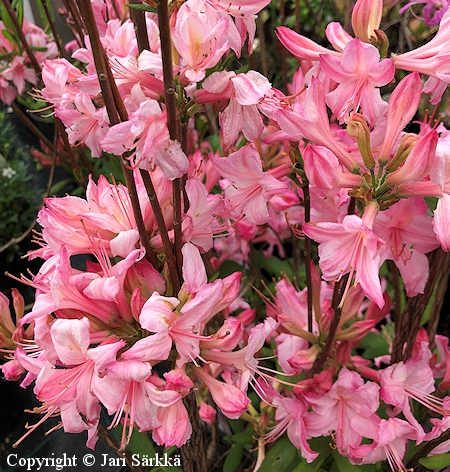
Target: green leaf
{"x": 374, "y": 345}
{"x": 303, "y": 467}
{"x": 431, "y": 202}
{"x": 437, "y": 462}
{"x": 141, "y": 7}
{"x": 244, "y": 437}
{"x": 343, "y": 464}
{"x": 18, "y": 6}
{"x": 10, "y": 37}
{"x": 38, "y": 48}
{"x": 59, "y": 186}
{"x": 234, "y": 458}
{"x": 280, "y": 457}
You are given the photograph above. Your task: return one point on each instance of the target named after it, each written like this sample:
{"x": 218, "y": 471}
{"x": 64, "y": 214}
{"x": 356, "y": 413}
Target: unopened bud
{"x": 407, "y": 144}
{"x": 366, "y": 18}
{"x": 357, "y": 128}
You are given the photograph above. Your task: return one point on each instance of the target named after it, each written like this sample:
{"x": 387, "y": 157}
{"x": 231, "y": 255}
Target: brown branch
{"x": 262, "y": 45}
{"x": 414, "y": 464}
{"x": 31, "y": 126}
{"x": 411, "y": 316}
{"x": 193, "y": 453}
{"x": 172, "y": 122}
{"x": 159, "y": 218}
{"x": 116, "y": 112}
{"x": 78, "y": 22}
{"x": 439, "y": 298}
{"x": 73, "y": 160}
{"x": 307, "y": 253}
{"x": 337, "y": 297}
{"x": 140, "y": 27}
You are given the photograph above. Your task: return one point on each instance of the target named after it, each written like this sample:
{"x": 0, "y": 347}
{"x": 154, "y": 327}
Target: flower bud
{"x": 366, "y": 18}
{"x": 357, "y": 128}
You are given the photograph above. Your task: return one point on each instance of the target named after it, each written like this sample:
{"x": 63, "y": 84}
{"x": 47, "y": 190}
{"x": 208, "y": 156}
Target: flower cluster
{"x": 16, "y": 69}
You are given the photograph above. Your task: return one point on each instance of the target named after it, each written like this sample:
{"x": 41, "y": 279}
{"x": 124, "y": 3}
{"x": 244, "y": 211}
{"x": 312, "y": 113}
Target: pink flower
{"x": 408, "y": 380}
{"x": 84, "y": 123}
{"x": 407, "y": 230}
{"x": 366, "y": 18}
{"x": 146, "y": 132}
{"x": 174, "y": 428}
{"x": 251, "y": 188}
{"x": 309, "y": 120}
{"x": 231, "y": 400}
{"x": 293, "y": 417}
{"x": 351, "y": 247}
{"x": 200, "y": 37}
{"x": 389, "y": 443}
{"x": 348, "y": 409}
{"x": 358, "y": 72}
{"x": 245, "y": 92}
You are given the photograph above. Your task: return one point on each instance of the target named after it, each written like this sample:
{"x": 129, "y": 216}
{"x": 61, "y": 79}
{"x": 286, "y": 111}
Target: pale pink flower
{"x": 407, "y": 230}
{"x": 174, "y": 428}
{"x": 309, "y": 120}
{"x": 85, "y": 124}
{"x": 366, "y": 18}
{"x": 348, "y": 409}
{"x": 245, "y": 92}
{"x": 200, "y": 37}
{"x": 351, "y": 247}
{"x": 19, "y": 74}
{"x": 293, "y": 417}
{"x": 411, "y": 380}
{"x": 251, "y": 188}
{"x": 358, "y": 72}
{"x": 146, "y": 134}
{"x": 432, "y": 58}
{"x": 389, "y": 444}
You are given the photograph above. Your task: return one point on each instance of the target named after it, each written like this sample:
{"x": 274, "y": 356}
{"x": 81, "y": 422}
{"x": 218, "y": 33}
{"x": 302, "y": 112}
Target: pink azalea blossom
{"x": 358, "y": 72}
{"x": 407, "y": 230}
{"x": 200, "y": 37}
{"x": 348, "y": 409}
{"x": 245, "y": 92}
{"x": 251, "y": 188}
{"x": 351, "y": 247}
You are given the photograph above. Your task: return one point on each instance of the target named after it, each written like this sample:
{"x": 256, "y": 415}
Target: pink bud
{"x": 402, "y": 106}
{"x": 207, "y": 413}
{"x": 366, "y": 18}
{"x": 232, "y": 401}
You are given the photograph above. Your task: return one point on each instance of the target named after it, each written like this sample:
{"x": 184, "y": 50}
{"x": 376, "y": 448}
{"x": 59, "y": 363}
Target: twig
{"x": 140, "y": 27}
{"x": 426, "y": 449}
{"x": 171, "y": 111}
{"x": 31, "y": 126}
{"x": 78, "y": 22}
{"x": 20, "y": 238}
{"x": 439, "y": 298}
{"x": 159, "y": 218}
{"x": 397, "y": 292}
{"x": 262, "y": 45}
{"x": 337, "y": 296}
